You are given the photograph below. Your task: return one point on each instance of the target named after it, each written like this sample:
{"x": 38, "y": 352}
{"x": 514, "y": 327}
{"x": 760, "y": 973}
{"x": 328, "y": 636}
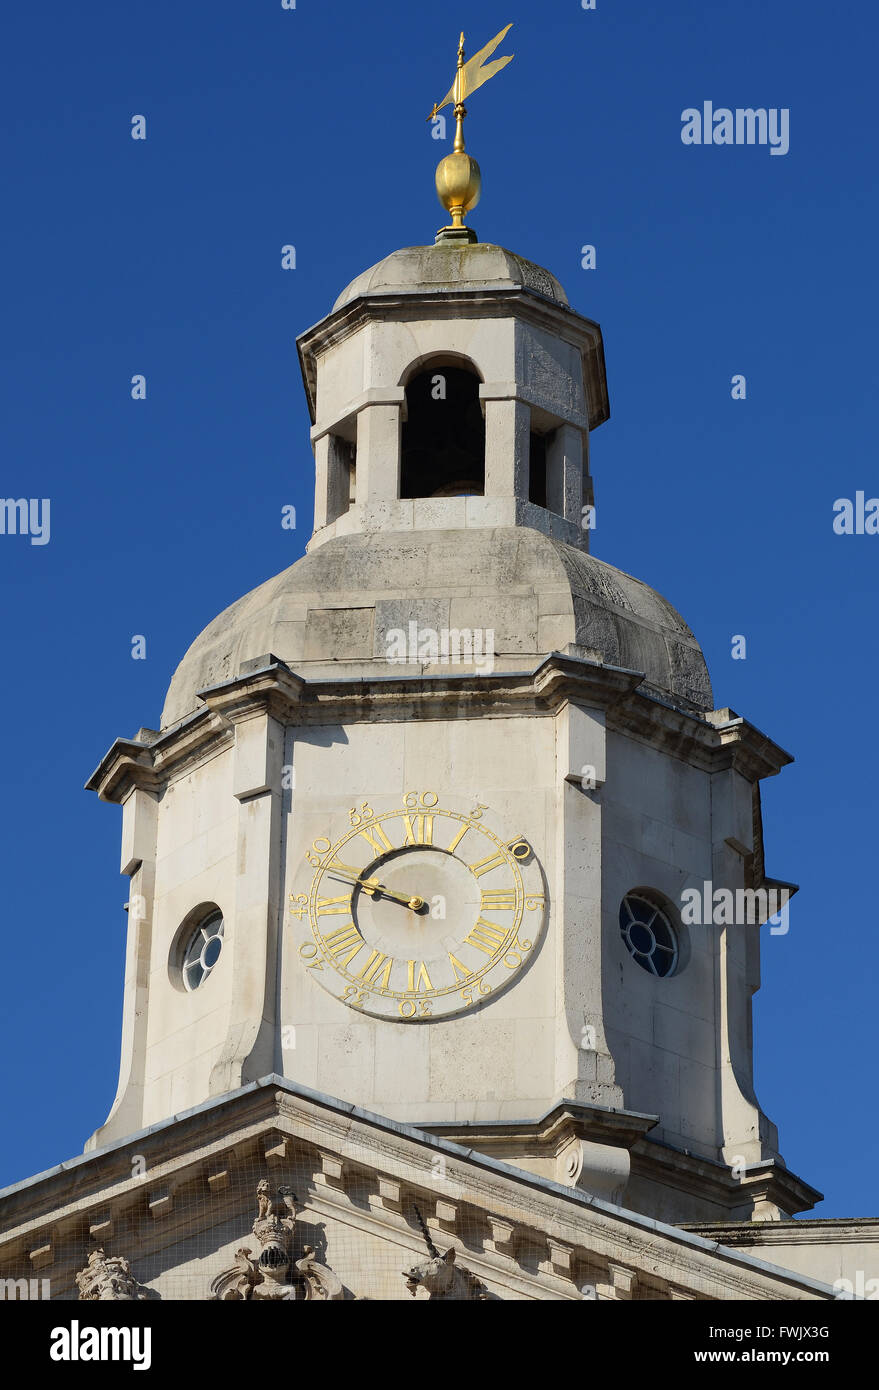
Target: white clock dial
{"x": 418, "y": 910}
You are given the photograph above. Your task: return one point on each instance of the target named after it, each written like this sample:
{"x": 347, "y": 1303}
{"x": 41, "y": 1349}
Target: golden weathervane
{"x": 458, "y": 179}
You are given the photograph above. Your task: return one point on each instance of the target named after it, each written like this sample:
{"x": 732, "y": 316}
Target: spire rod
{"x": 460, "y": 108}
{"x": 458, "y": 176}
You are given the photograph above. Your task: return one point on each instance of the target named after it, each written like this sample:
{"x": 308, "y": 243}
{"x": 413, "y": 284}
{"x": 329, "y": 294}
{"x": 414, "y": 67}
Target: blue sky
{"x": 266, "y": 127}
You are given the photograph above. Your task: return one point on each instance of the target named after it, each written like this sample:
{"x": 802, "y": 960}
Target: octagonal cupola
{"x": 452, "y": 386}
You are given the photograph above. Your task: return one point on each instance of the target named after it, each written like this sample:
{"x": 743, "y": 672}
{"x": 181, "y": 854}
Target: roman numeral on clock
{"x": 350, "y": 869}
{"x": 344, "y": 943}
{"x": 421, "y": 833}
{"x": 416, "y": 983}
{"x": 495, "y": 900}
{"x": 487, "y": 937}
{"x": 485, "y": 866}
{"x": 458, "y": 838}
{"x": 377, "y": 970}
{"x": 327, "y": 906}
{"x": 461, "y": 971}
{"x": 377, "y": 840}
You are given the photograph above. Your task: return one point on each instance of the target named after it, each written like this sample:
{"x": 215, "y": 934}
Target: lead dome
{"x": 545, "y": 596}
{"x": 477, "y": 266}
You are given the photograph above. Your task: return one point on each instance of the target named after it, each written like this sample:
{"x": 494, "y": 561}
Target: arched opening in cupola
{"x": 443, "y": 444}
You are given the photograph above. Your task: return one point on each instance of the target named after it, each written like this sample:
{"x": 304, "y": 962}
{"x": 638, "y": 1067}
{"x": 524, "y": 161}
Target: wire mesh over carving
{"x": 108, "y": 1278}
{"x": 276, "y": 1274}
{"x": 441, "y": 1277}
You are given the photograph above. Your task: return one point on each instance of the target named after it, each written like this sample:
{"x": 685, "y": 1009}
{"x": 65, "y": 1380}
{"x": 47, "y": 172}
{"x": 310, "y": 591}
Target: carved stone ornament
{"x": 109, "y": 1277}
{"x": 320, "y": 1282}
{"x": 274, "y": 1275}
{"x": 442, "y": 1277}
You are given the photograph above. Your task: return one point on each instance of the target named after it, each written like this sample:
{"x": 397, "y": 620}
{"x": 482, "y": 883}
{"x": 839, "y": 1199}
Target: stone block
{"x": 407, "y": 626}
{"x": 339, "y": 634}
{"x": 259, "y": 745}
{"x": 440, "y": 513}
{"x": 139, "y": 829}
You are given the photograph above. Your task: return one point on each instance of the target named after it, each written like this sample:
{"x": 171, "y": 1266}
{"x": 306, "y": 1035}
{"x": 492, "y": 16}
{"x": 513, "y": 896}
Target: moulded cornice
{"x": 402, "y": 306}
{"x": 713, "y": 742}
{"x": 273, "y": 1121}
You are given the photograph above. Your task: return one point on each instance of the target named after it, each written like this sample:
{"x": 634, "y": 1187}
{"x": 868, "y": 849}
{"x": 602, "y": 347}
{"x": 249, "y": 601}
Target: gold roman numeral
{"x": 415, "y": 985}
{"x": 487, "y": 937}
{"x": 458, "y": 838}
{"x": 342, "y": 940}
{"x": 422, "y": 833}
{"x": 326, "y": 907}
{"x": 377, "y": 970}
{"x": 494, "y": 900}
{"x": 485, "y": 866}
{"x": 344, "y": 868}
{"x": 377, "y": 840}
{"x": 461, "y": 971}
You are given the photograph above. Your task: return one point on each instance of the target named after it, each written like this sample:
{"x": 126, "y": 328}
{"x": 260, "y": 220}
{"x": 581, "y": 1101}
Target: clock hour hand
{"x": 415, "y": 903}
{"x": 372, "y": 886}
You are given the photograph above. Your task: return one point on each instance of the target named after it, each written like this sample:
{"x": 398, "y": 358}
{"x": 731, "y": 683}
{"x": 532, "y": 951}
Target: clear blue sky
{"x": 268, "y": 126}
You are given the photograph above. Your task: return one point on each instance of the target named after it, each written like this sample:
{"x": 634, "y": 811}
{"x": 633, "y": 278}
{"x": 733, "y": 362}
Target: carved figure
{"x": 268, "y": 1277}
{"x": 441, "y": 1276}
{"x": 108, "y": 1278}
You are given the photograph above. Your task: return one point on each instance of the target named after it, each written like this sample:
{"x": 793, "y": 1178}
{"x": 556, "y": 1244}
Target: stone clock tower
{"x": 416, "y": 828}
{"x": 414, "y": 991}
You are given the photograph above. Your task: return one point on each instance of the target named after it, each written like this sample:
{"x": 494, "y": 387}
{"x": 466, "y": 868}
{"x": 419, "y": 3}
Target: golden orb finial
{"x": 458, "y": 177}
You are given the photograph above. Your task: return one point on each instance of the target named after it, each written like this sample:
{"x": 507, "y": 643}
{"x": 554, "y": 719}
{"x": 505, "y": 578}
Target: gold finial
{"x": 458, "y": 178}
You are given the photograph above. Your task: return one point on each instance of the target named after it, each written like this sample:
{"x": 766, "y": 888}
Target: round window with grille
{"x": 648, "y": 934}
{"x": 202, "y": 951}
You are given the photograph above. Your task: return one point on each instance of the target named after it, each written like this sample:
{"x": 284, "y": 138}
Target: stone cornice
{"x": 703, "y": 1177}
{"x": 652, "y": 1160}
{"x": 712, "y": 742}
{"x": 549, "y": 1134}
{"x": 130, "y": 765}
{"x": 402, "y": 306}
{"x": 851, "y": 1230}
{"x": 726, "y": 740}
{"x": 273, "y": 1114}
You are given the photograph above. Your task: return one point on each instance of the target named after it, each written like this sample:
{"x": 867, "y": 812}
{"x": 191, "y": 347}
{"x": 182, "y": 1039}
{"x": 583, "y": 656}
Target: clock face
{"x": 417, "y": 911}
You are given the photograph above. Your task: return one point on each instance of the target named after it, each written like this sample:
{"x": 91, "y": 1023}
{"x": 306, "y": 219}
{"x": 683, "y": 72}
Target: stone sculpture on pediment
{"x": 440, "y": 1275}
{"x": 108, "y": 1278}
{"x": 276, "y": 1274}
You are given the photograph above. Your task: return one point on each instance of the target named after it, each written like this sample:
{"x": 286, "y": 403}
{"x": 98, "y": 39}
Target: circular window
{"x": 202, "y": 951}
{"x": 648, "y": 934}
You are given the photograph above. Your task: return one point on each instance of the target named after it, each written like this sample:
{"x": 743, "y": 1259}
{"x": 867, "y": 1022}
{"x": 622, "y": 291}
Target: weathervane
{"x": 458, "y": 178}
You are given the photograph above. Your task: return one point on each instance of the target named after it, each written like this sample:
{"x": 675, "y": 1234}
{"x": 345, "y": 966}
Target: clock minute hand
{"x": 364, "y": 883}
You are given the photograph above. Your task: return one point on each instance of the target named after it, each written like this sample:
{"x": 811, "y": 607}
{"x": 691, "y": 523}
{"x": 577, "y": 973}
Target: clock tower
{"x": 446, "y": 874}
{"x": 423, "y": 812}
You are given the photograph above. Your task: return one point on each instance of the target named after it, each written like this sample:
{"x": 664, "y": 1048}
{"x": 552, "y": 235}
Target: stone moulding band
{"x": 530, "y": 306}
{"x": 714, "y": 742}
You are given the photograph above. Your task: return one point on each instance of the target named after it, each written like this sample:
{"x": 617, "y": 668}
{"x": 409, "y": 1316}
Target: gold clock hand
{"x": 366, "y": 884}
{"x": 372, "y": 886}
